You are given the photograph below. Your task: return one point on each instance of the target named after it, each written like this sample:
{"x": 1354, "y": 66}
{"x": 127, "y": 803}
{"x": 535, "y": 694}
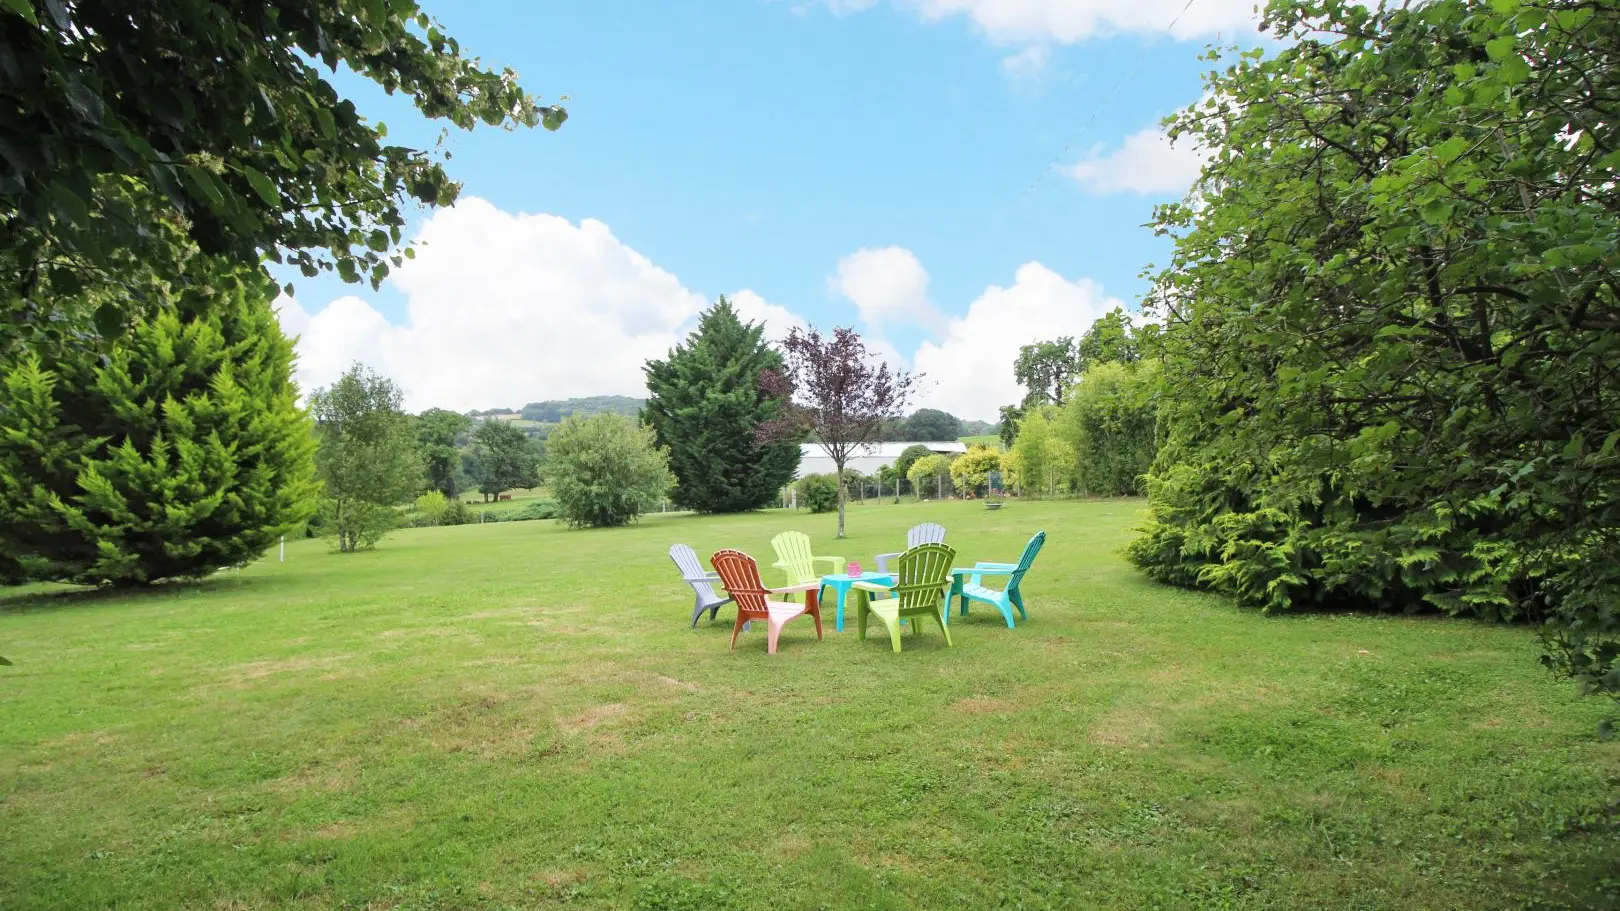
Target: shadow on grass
{"x": 51, "y": 596}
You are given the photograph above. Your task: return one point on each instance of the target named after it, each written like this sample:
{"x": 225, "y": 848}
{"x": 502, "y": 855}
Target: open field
{"x": 515, "y": 715}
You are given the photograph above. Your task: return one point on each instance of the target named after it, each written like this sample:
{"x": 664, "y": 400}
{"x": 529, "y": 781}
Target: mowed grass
{"x": 517, "y": 716}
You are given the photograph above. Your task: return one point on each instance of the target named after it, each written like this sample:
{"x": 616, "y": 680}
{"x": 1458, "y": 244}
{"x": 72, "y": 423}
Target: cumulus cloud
{"x": 1073, "y": 21}
{"x": 968, "y": 371}
{"x": 503, "y": 309}
{"x": 887, "y": 285}
{"x": 1146, "y": 162}
{"x": 1028, "y": 65}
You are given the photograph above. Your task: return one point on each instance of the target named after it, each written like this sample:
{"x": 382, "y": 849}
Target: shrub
{"x": 971, "y": 470}
{"x": 528, "y": 512}
{"x": 174, "y": 452}
{"x": 818, "y": 492}
{"x": 456, "y": 514}
{"x": 606, "y": 470}
{"x": 432, "y": 506}
{"x": 931, "y": 477}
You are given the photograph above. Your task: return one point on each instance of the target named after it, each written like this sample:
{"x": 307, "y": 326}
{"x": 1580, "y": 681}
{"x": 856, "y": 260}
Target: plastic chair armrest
{"x": 995, "y": 566}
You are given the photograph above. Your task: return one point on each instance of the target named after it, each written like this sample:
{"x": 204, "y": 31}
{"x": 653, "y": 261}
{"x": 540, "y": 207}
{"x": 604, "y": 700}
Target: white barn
{"x": 868, "y": 458}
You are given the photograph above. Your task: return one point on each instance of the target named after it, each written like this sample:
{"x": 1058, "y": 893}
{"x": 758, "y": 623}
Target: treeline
{"x": 1088, "y": 424}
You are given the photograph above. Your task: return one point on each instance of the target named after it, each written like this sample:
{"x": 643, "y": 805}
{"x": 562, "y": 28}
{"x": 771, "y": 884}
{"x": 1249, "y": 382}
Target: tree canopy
{"x": 1045, "y": 370}
{"x": 367, "y": 458}
{"x": 832, "y": 388}
{"x": 504, "y": 458}
{"x": 437, "y": 431}
{"x": 706, "y": 407}
{"x": 1392, "y": 316}
{"x": 606, "y": 470}
{"x": 225, "y": 115}
{"x": 932, "y": 425}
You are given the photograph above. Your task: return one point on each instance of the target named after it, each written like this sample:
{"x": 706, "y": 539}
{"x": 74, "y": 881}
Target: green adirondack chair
{"x": 921, "y": 577}
{"x": 795, "y": 559}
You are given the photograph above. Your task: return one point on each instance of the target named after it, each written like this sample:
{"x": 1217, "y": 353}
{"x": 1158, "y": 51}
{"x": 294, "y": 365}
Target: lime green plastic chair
{"x": 795, "y": 559}
{"x": 921, "y": 578}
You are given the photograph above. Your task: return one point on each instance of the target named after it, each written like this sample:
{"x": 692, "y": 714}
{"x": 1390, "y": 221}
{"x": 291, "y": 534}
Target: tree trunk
{"x": 841, "y": 498}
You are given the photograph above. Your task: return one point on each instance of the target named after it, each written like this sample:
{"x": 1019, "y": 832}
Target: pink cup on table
{"x": 853, "y": 570}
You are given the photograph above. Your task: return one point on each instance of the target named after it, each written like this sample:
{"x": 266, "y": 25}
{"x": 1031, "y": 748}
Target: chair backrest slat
{"x": 686, "y": 560}
{"x": 1024, "y": 562}
{"x": 922, "y": 574}
{"x": 740, "y": 576}
{"x": 925, "y": 533}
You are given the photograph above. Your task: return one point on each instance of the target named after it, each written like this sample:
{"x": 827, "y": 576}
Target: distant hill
{"x": 554, "y": 412}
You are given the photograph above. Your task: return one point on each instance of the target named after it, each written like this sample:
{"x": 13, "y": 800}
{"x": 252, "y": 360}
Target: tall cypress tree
{"x": 705, "y": 407}
{"x": 177, "y": 450}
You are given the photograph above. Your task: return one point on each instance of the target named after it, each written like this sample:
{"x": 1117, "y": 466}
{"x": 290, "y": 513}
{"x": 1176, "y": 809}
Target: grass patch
{"x": 516, "y": 715}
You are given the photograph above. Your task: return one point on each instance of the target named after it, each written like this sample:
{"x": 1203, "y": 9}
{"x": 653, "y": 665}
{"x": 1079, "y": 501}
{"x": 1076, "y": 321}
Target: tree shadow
{"x": 61, "y": 596}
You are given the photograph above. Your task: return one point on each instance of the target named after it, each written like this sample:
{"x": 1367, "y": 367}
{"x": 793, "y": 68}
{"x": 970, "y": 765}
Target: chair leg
{"x": 1005, "y": 607}
{"x": 1018, "y": 601}
{"x": 894, "y": 635}
{"x": 697, "y": 612}
{"x": 774, "y": 633}
{"x": 737, "y": 629}
{"x": 860, "y": 620}
{"x": 943, "y": 627}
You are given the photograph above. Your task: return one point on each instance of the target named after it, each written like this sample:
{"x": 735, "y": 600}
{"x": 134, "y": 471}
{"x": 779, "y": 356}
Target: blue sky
{"x": 954, "y": 177}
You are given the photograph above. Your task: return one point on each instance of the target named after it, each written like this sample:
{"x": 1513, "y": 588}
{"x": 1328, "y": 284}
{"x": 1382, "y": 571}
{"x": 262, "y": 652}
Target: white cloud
{"x": 504, "y": 309}
{"x": 778, "y": 319}
{"x": 887, "y": 285}
{"x": 1028, "y": 65}
{"x": 1147, "y": 162}
{"x": 1073, "y": 21}
{"x": 969, "y": 371}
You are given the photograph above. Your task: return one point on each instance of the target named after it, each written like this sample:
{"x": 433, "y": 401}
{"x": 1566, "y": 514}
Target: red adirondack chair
{"x": 739, "y": 574}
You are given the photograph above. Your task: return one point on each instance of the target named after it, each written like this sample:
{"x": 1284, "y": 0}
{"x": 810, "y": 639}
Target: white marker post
{"x": 283, "y": 548}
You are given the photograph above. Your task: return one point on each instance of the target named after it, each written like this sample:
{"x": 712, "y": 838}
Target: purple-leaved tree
{"x": 834, "y": 389}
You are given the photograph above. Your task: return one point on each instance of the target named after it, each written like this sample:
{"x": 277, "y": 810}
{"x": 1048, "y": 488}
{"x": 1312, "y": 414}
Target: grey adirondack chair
{"x": 926, "y": 533}
{"x": 702, "y": 582}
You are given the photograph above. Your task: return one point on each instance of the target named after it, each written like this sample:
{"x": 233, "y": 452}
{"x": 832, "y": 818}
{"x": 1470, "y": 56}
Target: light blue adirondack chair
{"x": 924, "y": 533}
{"x": 702, "y": 582}
{"x": 1004, "y": 599}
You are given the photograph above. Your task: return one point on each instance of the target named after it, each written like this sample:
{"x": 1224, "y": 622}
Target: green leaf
{"x": 261, "y": 185}
{"x": 1451, "y": 149}
{"x": 204, "y": 186}
{"x": 1515, "y": 71}
{"x": 109, "y": 320}
{"x": 378, "y": 240}
{"x": 325, "y": 121}
{"x": 1499, "y": 48}
{"x": 24, "y": 9}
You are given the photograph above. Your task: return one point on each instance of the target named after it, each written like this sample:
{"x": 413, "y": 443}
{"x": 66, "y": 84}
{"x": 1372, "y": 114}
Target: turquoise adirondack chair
{"x": 1004, "y": 599}
{"x": 921, "y": 577}
{"x": 795, "y": 559}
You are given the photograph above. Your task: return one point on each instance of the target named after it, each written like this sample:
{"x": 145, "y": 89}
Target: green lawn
{"x": 992, "y": 440}
{"x": 515, "y": 715}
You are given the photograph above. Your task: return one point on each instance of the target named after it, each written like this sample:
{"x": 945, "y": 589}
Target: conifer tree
{"x": 706, "y": 408}
{"x": 178, "y": 450}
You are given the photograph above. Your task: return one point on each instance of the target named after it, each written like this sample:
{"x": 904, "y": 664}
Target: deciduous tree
{"x": 437, "y": 431}
{"x": 367, "y": 457}
{"x": 504, "y": 458}
{"x": 932, "y": 425}
{"x": 1393, "y": 320}
{"x": 221, "y": 113}
{"x": 831, "y": 387}
{"x": 606, "y": 470}
{"x": 1045, "y": 370}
